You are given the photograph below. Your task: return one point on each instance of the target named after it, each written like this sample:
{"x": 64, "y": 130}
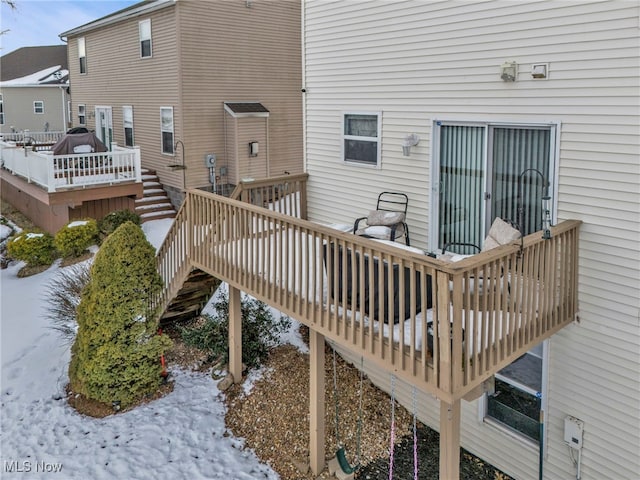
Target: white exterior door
{"x": 104, "y": 125}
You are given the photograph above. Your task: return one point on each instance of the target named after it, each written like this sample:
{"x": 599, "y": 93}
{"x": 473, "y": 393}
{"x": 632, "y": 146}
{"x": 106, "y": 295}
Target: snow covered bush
{"x": 63, "y": 297}
{"x": 34, "y": 248}
{"x": 113, "y": 220}
{"x": 260, "y": 331}
{"x": 73, "y": 239}
{"x": 116, "y": 354}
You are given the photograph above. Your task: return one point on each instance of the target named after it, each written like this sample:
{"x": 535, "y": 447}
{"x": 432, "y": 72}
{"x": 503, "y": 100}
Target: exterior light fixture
{"x": 509, "y": 71}
{"x": 253, "y": 149}
{"x": 411, "y": 140}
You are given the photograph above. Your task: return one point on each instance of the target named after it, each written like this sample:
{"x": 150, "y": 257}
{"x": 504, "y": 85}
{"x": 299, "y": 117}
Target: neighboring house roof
{"x": 246, "y": 109}
{"x": 145, "y": 6}
{"x": 35, "y": 66}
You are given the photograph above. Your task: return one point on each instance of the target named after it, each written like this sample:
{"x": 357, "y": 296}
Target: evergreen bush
{"x": 260, "y": 331}
{"x": 73, "y": 239}
{"x": 116, "y": 354}
{"x": 113, "y": 220}
{"x": 34, "y": 248}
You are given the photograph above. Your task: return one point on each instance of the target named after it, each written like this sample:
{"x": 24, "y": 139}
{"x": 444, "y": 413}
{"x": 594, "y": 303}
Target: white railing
{"x": 59, "y": 172}
{"x": 31, "y": 137}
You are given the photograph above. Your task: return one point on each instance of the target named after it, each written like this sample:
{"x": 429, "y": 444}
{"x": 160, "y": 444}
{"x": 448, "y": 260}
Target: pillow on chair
{"x": 381, "y": 217}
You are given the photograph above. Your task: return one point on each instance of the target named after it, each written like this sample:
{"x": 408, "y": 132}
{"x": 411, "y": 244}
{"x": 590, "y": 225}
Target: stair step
{"x": 151, "y": 184}
{"x": 158, "y": 215}
{"x": 155, "y": 206}
{"x": 150, "y": 199}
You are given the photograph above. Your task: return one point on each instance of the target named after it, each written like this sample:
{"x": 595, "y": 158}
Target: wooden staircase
{"x": 155, "y": 203}
{"x": 192, "y": 297}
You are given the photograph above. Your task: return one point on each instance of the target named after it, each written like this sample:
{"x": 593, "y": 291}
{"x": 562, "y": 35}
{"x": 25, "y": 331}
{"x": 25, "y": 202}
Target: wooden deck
{"x": 457, "y": 324}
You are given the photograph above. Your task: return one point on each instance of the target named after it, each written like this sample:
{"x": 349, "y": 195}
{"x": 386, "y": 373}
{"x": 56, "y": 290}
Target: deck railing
{"x": 34, "y": 138}
{"x": 285, "y": 194}
{"x": 446, "y": 327}
{"x": 59, "y": 172}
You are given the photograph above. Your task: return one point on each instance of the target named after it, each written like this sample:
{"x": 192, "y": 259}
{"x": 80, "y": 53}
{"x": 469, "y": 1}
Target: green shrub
{"x": 73, "y": 239}
{"x": 116, "y": 354}
{"x": 113, "y": 220}
{"x": 260, "y": 331}
{"x": 34, "y": 248}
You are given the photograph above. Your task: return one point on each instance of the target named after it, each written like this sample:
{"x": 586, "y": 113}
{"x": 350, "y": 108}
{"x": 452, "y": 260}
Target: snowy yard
{"x": 180, "y": 436}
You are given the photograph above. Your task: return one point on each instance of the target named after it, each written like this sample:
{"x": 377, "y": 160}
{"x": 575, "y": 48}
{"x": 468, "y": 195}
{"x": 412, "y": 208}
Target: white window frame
{"x": 82, "y": 114}
{"x": 378, "y": 139}
{"x": 144, "y": 33}
{"x": 483, "y": 405}
{"x": 38, "y": 105}
{"x": 82, "y": 55}
{"x": 163, "y": 130}
{"x": 125, "y": 121}
{"x": 1, "y": 110}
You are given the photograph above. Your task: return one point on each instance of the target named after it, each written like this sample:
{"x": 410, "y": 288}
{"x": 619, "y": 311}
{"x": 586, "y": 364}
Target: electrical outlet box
{"x": 573, "y": 430}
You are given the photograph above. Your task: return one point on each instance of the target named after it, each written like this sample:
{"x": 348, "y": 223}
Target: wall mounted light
{"x": 411, "y": 140}
{"x": 509, "y": 71}
{"x": 253, "y": 149}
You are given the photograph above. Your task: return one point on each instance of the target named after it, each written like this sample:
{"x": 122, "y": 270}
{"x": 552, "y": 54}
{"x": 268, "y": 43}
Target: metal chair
{"x": 387, "y": 221}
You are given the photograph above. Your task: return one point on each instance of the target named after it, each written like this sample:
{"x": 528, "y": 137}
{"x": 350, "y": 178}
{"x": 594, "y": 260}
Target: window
{"x": 82, "y": 117}
{"x": 82, "y": 55}
{"x": 144, "y": 28}
{"x": 38, "y": 106}
{"x": 516, "y": 400}
{"x": 361, "y": 138}
{"x": 166, "y": 129}
{"x": 1, "y": 110}
{"x": 127, "y": 120}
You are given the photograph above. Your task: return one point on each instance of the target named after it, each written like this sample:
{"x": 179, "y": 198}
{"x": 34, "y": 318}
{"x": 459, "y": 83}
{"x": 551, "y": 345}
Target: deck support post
{"x": 316, "y": 402}
{"x": 450, "y": 439}
{"x": 235, "y": 334}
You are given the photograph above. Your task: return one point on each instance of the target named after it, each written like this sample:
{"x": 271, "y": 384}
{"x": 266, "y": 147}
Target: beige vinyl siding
{"x": 419, "y": 61}
{"x": 231, "y": 52}
{"x": 117, "y": 76}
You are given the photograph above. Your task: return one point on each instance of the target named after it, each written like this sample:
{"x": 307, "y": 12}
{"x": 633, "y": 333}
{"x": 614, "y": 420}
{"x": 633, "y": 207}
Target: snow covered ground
{"x": 180, "y": 436}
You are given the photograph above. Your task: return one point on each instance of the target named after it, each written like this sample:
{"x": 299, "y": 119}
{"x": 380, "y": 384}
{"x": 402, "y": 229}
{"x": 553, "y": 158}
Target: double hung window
{"x": 82, "y": 114}
{"x": 38, "y": 106}
{"x": 166, "y": 129}
{"x": 127, "y": 121}
{"x": 361, "y": 138}
{"x": 82, "y": 55}
{"x": 1, "y": 110}
{"x": 144, "y": 28}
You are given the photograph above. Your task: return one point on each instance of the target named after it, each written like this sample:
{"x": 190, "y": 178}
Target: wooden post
{"x": 316, "y": 402}
{"x": 235, "y": 334}
{"x": 450, "y": 440}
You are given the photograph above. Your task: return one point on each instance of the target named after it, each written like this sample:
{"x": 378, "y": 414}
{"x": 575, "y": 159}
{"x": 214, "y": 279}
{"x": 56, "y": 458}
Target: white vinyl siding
{"x": 441, "y": 60}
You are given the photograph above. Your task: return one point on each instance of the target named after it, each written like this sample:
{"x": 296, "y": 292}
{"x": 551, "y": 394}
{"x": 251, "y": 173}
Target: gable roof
{"x": 143, "y": 7}
{"x": 26, "y": 61}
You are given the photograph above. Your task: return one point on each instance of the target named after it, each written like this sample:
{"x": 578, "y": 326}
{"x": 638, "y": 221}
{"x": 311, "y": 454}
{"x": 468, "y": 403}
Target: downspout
{"x": 64, "y": 108}
{"x": 304, "y": 86}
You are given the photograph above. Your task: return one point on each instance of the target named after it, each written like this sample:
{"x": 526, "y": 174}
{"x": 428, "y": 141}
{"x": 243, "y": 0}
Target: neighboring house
{"x": 209, "y": 91}
{"x": 34, "y": 89}
{"x": 509, "y": 101}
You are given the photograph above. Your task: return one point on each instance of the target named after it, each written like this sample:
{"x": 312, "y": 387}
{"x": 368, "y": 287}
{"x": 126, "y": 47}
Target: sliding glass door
{"x": 487, "y": 171}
